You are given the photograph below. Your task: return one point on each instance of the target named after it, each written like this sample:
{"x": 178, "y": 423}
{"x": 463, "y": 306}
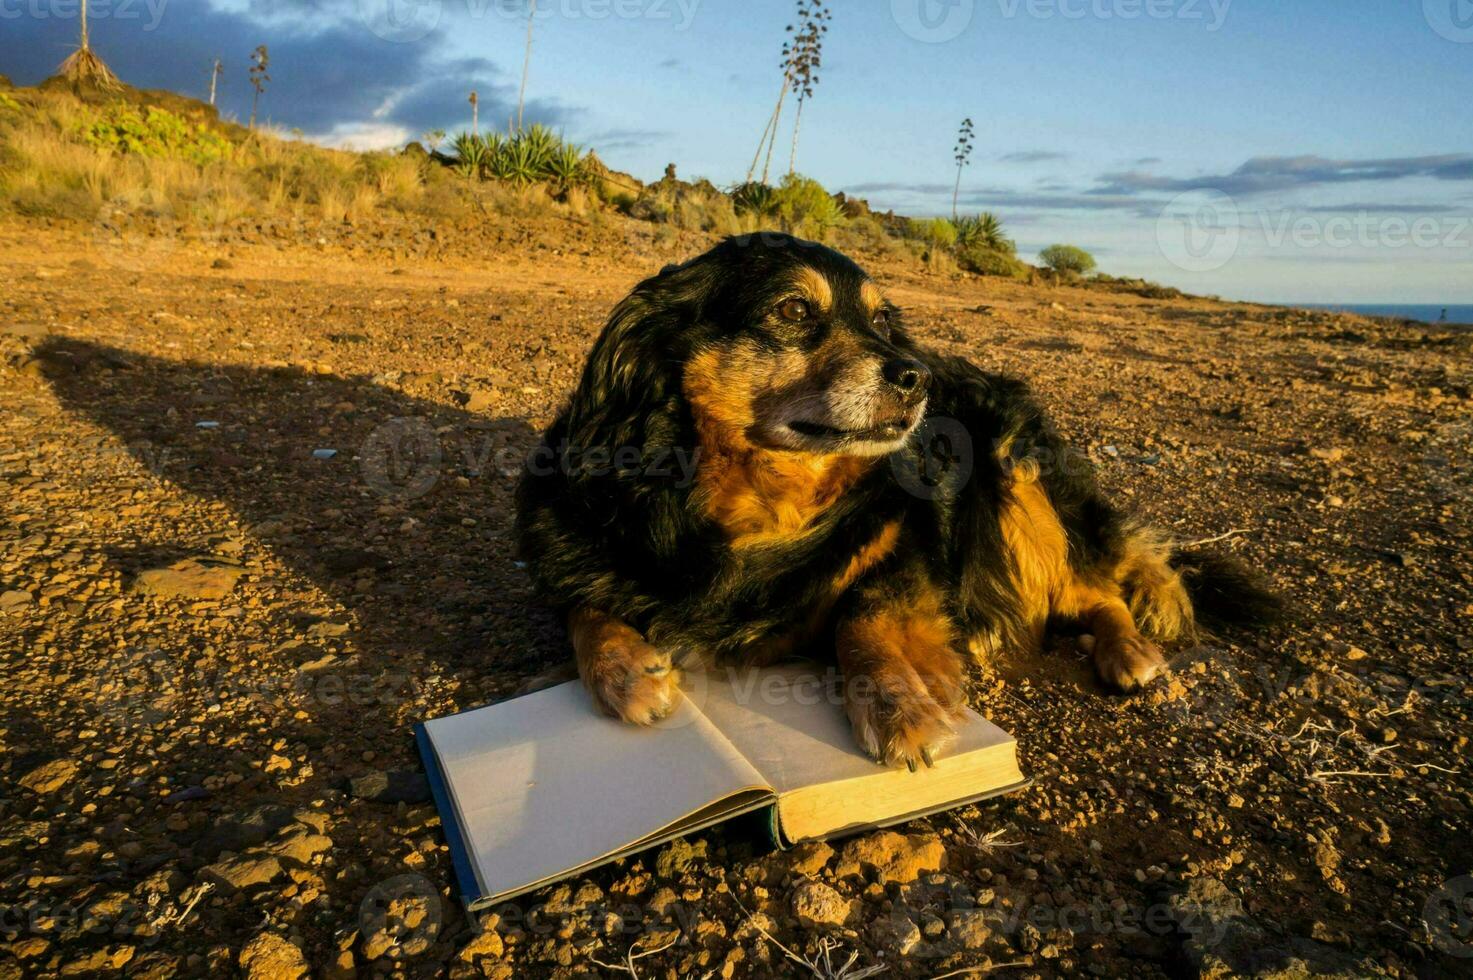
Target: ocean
{"x": 1427, "y": 313}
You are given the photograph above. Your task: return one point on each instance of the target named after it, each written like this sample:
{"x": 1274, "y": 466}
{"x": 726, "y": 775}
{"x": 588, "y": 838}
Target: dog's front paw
{"x": 1128, "y": 662}
{"x": 634, "y": 681}
{"x": 896, "y": 719}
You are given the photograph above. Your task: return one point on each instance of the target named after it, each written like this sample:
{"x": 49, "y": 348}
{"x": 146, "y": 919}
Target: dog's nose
{"x": 908, "y": 377}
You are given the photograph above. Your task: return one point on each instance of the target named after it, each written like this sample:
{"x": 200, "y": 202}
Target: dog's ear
{"x": 630, "y": 392}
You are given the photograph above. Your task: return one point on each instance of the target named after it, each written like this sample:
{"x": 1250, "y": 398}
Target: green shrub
{"x": 1067, "y": 260}
{"x": 991, "y": 262}
{"x": 154, "y": 132}
{"x": 7, "y": 103}
{"x": 805, "y": 208}
{"x": 936, "y": 232}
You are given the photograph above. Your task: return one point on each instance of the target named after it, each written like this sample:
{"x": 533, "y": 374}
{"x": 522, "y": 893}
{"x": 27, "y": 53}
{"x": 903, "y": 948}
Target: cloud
{"x": 626, "y": 139}
{"x": 1262, "y": 175}
{"x": 1007, "y": 198}
{"x": 1033, "y": 156}
{"x": 363, "y": 136}
{"x": 1378, "y": 208}
{"x": 330, "y": 73}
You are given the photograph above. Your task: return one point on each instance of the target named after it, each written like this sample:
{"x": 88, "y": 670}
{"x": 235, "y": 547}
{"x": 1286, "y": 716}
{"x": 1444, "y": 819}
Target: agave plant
{"x": 754, "y": 197}
{"x": 983, "y": 231}
{"x": 567, "y": 167}
{"x": 518, "y": 162}
{"x": 472, "y": 152}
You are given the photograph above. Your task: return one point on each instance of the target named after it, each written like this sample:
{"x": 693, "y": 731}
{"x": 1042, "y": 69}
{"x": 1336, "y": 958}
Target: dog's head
{"x": 770, "y": 342}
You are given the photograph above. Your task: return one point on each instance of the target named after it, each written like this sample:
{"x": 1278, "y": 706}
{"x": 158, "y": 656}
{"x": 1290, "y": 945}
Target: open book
{"x": 543, "y": 786}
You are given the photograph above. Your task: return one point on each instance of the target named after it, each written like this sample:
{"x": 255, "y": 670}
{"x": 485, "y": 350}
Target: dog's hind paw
{"x": 1126, "y": 663}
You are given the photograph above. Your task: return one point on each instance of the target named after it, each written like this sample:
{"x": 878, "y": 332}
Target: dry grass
{"x": 50, "y": 168}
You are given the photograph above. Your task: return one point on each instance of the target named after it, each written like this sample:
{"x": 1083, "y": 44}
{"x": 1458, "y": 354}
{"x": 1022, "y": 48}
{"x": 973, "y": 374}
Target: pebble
{"x": 818, "y": 906}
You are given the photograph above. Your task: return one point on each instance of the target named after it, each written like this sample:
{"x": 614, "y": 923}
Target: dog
{"x": 760, "y": 462}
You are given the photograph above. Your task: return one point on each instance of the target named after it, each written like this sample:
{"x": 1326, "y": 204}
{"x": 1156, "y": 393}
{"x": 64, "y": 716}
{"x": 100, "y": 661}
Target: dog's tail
{"x": 1226, "y": 592}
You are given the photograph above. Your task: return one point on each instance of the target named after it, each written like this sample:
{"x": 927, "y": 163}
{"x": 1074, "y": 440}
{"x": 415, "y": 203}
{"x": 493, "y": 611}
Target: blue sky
{"x": 1263, "y": 149}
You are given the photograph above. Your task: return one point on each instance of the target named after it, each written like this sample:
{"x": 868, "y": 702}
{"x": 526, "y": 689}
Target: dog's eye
{"x": 881, "y": 320}
{"x": 793, "y": 310}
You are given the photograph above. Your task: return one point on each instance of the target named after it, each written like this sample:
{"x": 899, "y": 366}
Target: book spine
{"x": 465, "y": 876}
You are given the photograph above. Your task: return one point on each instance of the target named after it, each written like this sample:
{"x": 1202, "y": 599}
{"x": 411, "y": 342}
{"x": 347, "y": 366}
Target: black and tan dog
{"x": 851, "y": 492}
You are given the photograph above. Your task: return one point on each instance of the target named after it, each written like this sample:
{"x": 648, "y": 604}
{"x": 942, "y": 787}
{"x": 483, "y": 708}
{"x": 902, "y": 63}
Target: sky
{"x": 1274, "y": 150}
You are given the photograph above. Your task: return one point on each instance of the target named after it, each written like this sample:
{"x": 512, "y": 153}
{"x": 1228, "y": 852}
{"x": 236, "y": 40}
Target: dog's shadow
{"x": 398, "y": 509}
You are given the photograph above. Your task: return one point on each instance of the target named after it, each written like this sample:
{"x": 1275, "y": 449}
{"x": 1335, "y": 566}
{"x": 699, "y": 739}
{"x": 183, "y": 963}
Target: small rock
{"x": 271, "y": 957}
{"x": 486, "y": 945}
{"x": 895, "y": 934}
{"x": 809, "y": 858}
{"x": 299, "y": 845}
{"x": 678, "y": 856}
{"x": 242, "y": 872}
{"x": 49, "y": 777}
{"x": 188, "y": 579}
{"x": 14, "y": 599}
{"x": 969, "y": 929}
{"x": 817, "y": 906}
{"x": 901, "y": 858}
{"x": 397, "y": 786}
{"x": 478, "y": 399}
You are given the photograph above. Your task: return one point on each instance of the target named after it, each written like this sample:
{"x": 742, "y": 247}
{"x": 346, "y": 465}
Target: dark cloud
{"x": 1262, "y": 175}
{"x": 1005, "y": 198}
{"x": 328, "y": 68}
{"x": 626, "y": 139}
{"x": 1033, "y": 156}
{"x": 1382, "y": 208}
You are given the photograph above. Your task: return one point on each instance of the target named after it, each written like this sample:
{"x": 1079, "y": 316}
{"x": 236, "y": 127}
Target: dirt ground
{"x": 216, "y": 632}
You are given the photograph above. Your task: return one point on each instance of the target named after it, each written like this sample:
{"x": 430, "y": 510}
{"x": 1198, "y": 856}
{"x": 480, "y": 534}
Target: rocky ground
{"x": 256, "y": 511}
